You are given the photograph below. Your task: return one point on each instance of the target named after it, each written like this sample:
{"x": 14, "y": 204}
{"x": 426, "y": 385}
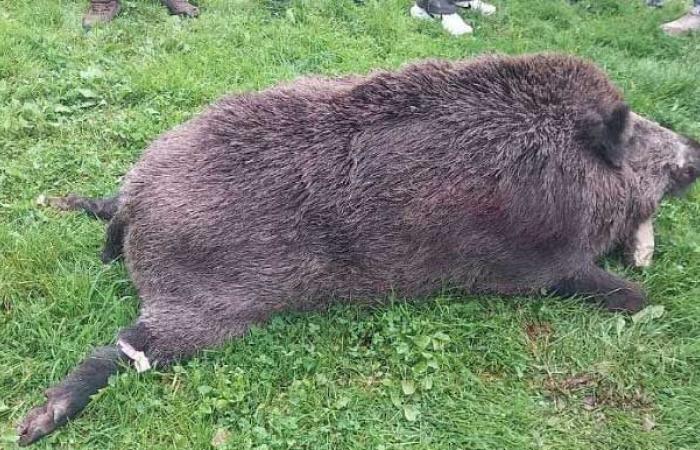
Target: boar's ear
{"x": 603, "y": 131}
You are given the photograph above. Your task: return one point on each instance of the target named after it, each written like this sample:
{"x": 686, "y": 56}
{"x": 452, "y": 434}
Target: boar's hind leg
{"x": 617, "y": 293}
{"x": 173, "y": 329}
{"x": 101, "y": 208}
{"x": 162, "y": 336}
{"x": 70, "y": 396}
{"x": 65, "y": 400}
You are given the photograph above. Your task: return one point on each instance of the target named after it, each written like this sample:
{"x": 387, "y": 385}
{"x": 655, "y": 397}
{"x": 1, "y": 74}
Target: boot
{"x": 686, "y": 24}
{"x": 181, "y": 8}
{"x": 437, "y": 7}
{"x": 100, "y": 11}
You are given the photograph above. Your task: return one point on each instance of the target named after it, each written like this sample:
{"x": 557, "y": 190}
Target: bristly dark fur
{"x": 473, "y": 174}
{"x": 501, "y": 175}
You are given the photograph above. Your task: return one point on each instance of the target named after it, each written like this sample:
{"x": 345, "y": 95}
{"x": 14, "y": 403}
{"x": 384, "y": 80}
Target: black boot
{"x": 437, "y": 7}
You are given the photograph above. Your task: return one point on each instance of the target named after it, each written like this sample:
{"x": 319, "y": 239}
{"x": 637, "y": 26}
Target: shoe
{"x": 181, "y": 8}
{"x": 686, "y": 24}
{"x": 443, "y": 10}
{"x": 477, "y": 5}
{"x": 437, "y": 7}
{"x": 100, "y": 11}
{"x": 455, "y": 25}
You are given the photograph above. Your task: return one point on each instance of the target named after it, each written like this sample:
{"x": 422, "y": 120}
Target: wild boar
{"x": 503, "y": 175}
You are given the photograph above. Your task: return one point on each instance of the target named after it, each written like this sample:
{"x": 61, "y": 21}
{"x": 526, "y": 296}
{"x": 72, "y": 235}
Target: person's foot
{"x": 477, "y": 5}
{"x": 686, "y": 24}
{"x": 100, "y": 11}
{"x": 445, "y": 11}
{"x": 436, "y": 7}
{"x": 181, "y": 8}
{"x": 455, "y": 25}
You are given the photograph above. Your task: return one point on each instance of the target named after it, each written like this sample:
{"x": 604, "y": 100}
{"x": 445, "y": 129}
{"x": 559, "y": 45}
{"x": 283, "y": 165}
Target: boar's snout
{"x": 687, "y": 168}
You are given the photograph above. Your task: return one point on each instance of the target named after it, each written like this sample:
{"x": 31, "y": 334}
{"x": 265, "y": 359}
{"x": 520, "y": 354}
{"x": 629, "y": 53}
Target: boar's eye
{"x": 602, "y": 130}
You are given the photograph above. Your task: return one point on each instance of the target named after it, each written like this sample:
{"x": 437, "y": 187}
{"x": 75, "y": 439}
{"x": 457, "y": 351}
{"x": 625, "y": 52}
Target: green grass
{"x": 77, "y": 109}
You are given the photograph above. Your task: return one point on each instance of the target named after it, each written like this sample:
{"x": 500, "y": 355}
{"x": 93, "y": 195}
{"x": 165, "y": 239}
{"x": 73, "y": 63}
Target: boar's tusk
{"x": 643, "y": 249}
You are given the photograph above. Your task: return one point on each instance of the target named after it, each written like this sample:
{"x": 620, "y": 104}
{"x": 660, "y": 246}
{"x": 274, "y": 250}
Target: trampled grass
{"x": 76, "y": 110}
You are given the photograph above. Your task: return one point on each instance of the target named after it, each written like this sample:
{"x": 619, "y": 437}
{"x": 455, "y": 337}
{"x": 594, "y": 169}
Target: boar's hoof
{"x": 43, "y": 419}
{"x": 616, "y": 293}
{"x": 69, "y": 397}
{"x": 67, "y": 203}
{"x": 627, "y": 300}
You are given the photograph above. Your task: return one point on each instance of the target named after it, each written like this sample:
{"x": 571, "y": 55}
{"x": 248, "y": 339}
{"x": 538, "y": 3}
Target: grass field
{"x": 77, "y": 109}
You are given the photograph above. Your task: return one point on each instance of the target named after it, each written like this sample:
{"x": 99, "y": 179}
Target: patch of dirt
{"x": 539, "y": 330}
{"x": 610, "y": 396}
{"x": 538, "y": 335}
{"x": 569, "y": 384}
{"x": 220, "y": 437}
{"x": 489, "y": 377}
{"x": 597, "y": 392}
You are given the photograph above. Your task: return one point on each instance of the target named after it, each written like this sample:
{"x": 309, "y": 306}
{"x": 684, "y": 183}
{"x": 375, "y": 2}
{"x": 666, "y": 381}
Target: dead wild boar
{"x": 503, "y": 175}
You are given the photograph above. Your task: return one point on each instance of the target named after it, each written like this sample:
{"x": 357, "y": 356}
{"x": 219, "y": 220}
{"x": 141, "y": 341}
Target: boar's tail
{"x": 114, "y": 241}
{"x": 101, "y": 208}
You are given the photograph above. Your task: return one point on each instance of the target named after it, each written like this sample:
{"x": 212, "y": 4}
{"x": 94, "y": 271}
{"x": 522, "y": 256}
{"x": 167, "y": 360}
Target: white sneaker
{"x": 477, "y": 5}
{"x": 455, "y": 25}
{"x": 420, "y": 13}
{"x": 452, "y": 23}
{"x": 686, "y": 24}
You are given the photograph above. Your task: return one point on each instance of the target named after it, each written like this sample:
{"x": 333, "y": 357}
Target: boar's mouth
{"x": 682, "y": 180}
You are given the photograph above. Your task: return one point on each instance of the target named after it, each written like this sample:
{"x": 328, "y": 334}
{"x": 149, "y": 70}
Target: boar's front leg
{"x": 616, "y": 293}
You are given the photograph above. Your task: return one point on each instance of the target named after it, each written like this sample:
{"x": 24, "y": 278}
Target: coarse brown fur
{"x": 496, "y": 175}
